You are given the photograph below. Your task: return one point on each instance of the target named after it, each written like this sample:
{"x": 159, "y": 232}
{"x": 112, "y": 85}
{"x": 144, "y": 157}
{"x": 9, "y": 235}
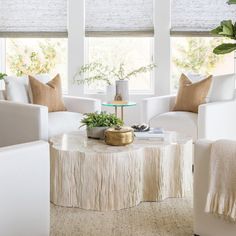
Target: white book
{"x": 149, "y": 135}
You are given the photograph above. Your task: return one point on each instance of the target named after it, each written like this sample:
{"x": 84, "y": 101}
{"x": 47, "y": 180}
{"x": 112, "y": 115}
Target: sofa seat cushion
{"x": 179, "y": 121}
{"x": 63, "y": 122}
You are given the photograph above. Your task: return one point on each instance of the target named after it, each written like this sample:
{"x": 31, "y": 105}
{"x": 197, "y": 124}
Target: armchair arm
{"x": 81, "y": 104}
{"x": 217, "y": 120}
{"x": 20, "y": 123}
{"x": 204, "y": 223}
{"x": 25, "y": 188}
{"x": 154, "y": 106}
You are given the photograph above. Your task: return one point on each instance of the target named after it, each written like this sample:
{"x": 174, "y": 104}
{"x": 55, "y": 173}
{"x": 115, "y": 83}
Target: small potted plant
{"x": 97, "y": 123}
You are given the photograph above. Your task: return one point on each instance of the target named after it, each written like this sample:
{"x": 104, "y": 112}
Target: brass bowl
{"x": 119, "y": 136}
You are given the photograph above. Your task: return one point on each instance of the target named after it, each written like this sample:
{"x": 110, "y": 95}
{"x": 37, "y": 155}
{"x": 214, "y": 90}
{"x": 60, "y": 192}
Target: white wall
{"x": 76, "y": 51}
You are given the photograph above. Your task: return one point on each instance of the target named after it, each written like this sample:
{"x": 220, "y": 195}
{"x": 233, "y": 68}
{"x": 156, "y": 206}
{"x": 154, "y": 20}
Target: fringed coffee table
{"x": 89, "y": 174}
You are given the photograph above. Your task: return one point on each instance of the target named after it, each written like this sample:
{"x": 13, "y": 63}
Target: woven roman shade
{"x": 198, "y": 17}
{"x": 39, "y": 18}
{"x": 118, "y": 17}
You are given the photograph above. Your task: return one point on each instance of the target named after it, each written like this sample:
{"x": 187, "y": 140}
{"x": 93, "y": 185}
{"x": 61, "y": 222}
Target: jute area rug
{"x": 172, "y": 217}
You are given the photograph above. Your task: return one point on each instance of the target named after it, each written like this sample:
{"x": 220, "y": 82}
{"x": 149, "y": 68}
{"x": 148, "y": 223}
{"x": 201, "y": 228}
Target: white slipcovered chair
{"x": 21, "y": 122}
{"x": 206, "y": 224}
{"x": 215, "y": 119}
{"x": 25, "y": 189}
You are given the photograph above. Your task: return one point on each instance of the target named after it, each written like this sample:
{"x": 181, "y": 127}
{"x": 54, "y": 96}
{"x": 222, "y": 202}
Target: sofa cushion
{"x": 63, "y": 122}
{"x": 17, "y": 87}
{"x": 222, "y": 88}
{"x": 49, "y": 94}
{"x": 191, "y": 95}
{"x": 182, "y": 122}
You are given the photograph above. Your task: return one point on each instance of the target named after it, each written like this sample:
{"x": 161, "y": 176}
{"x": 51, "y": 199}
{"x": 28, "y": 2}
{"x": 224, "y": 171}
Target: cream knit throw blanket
{"x": 221, "y": 198}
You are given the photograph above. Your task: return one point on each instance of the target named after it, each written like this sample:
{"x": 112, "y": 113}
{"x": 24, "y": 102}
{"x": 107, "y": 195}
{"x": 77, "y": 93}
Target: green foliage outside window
{"x": 196, "y": 55}
{"x": 24, "y": 59}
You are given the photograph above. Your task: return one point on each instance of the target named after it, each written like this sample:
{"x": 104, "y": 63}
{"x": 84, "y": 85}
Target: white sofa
{"x": 20, "y": 123}
{"x": 206, "y": 224}
{"x": 25, "y": 191}
{"x": 214, "y": 120}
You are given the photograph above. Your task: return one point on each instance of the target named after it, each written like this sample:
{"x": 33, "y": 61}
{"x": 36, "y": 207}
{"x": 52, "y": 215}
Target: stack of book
{"x": 153, "y": 133}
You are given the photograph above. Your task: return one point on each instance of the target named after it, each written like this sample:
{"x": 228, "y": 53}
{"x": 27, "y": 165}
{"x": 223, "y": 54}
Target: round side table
{"x": 121, "y": 106}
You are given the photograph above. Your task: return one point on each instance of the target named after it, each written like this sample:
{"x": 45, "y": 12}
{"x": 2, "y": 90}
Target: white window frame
{"x": 2, "y": 59}
{"x": 150, "y": 91}
{"x": 162, "y": 46}
{"x": 3, "y": 54}
{"x": 76, "y": 45}
{"x": 76, "y": 48}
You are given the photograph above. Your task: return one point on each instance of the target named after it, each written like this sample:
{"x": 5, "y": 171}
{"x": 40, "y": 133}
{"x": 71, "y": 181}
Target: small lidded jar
{"x": 119, "y": 136}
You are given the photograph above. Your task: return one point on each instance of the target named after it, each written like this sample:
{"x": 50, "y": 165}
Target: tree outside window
{"x": 37, "y": 56}
{"x": 194, "y": 55}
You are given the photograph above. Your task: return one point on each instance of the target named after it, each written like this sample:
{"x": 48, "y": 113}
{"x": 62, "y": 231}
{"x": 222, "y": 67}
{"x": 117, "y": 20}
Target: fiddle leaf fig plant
{"x": 226, "y": 29}
{"x": 232, "y": 2}
{"x": 2, "y": 75}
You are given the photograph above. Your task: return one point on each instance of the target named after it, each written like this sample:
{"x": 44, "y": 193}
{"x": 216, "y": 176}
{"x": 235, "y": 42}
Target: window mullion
{"x": 2, "y": 59}
{"x": 3, "y": 55}
{"x": 162, "y": 49}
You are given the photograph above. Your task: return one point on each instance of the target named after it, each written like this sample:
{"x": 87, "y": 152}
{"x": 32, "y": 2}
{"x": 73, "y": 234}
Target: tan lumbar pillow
{"x": 191, "y": 95}
{"x": 49, "y": 94}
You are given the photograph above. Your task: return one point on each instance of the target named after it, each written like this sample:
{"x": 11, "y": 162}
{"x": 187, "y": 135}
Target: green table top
{"x": 129, "y": 104}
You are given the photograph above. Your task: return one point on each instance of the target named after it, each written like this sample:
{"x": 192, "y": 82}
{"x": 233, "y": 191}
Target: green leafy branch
{"x": 93, "y": 72}
{"x": 98, "y": 72}
{"x": 143, "y": 69}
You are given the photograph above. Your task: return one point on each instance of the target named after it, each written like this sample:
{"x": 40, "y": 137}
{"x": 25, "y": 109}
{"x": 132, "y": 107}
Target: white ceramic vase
{"x": 122, "y": 89}
{"x": 110, "y": 93}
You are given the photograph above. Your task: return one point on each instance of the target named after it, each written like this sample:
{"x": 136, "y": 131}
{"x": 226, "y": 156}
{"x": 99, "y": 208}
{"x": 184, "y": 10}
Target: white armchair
{"x": 206, "y": 224}
{"x": 20, "y": 123}
{"x": 25, "y": 190}
{"x": 214, "y": 120}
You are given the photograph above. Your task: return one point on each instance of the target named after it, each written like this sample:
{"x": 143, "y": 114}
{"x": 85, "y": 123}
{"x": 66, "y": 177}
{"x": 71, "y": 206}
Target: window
{"x": 25, "y": 56}
{"x": 134, "y": 52}
{"x": 194, "y": 55}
